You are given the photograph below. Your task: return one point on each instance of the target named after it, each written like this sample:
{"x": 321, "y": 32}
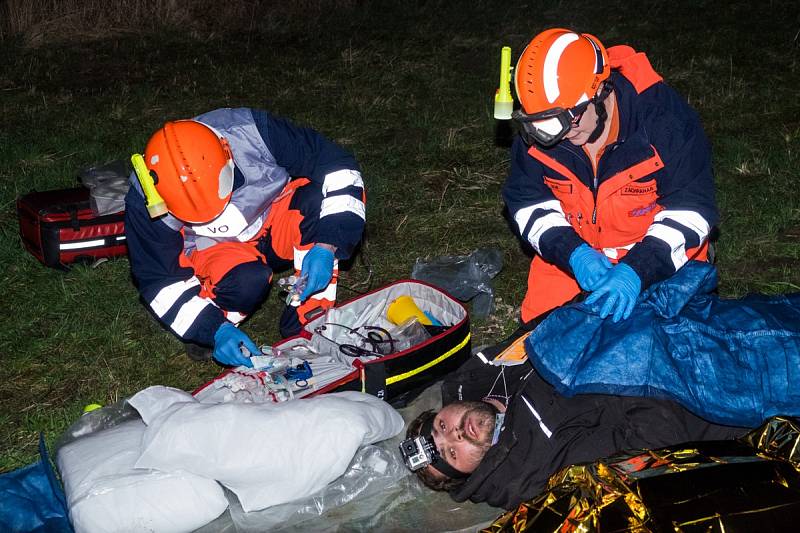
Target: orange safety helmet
{"x": 192, "y": 167}
{"x": 557, "y": 76}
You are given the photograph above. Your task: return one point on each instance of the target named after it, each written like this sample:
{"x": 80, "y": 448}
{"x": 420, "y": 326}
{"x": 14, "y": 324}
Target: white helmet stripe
{"x": 551, "y": 60}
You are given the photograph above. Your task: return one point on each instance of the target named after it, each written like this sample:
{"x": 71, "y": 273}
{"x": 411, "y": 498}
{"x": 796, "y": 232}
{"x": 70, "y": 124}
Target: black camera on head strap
{"x": 420, "y": 451}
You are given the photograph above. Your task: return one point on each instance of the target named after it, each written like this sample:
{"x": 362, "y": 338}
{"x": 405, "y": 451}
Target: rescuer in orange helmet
{"x": 246, "y": 193}
{"x": 611, "y": 180}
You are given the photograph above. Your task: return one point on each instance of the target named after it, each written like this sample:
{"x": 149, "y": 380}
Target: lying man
{"x": 503, "y": 431}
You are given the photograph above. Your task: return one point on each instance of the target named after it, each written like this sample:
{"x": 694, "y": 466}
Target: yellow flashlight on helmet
{"x": 503, "y": 101}
{"x": 155, "y": 204}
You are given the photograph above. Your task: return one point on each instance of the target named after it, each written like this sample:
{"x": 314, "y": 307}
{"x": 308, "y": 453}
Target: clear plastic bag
{"x": 108, "y": 184}
{"x": 409, "y": 333}
{"x": 104, "y": 418}
{"x": 372, "y": 471}
{"x": 466, "y": 277}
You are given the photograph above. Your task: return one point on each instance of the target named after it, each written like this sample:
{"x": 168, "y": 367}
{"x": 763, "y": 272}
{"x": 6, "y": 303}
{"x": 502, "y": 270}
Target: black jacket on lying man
{"x": 542, "y": 432}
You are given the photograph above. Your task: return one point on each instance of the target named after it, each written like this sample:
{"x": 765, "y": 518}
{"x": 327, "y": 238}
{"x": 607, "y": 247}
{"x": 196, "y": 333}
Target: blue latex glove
{"x": 318, "y": 270}
{"x": 228, "y": 341}
{"x": 621, "y": 288}
{"x": 589, "y": 266}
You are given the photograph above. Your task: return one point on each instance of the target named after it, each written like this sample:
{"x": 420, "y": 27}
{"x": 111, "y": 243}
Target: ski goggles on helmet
{"x": 548, "y": 127}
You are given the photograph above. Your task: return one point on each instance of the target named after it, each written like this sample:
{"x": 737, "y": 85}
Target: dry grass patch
{"x": 41, "y": 22}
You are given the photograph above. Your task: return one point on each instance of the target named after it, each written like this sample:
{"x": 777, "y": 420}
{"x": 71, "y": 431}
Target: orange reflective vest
{"x": 619, "y": 215}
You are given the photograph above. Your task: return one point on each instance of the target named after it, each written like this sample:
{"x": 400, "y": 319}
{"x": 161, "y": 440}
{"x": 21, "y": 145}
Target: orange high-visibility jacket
{"x": 651, "y": 201}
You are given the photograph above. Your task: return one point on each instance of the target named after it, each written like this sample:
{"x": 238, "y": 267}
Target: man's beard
{"x": 484, "y": 417}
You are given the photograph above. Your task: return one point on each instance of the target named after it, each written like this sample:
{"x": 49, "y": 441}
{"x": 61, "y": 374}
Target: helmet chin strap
{"x": 600, "y": 109}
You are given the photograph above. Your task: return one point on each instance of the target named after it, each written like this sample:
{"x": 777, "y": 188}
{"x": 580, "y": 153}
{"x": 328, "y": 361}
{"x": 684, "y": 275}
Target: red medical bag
{"x": 59, "y": 228}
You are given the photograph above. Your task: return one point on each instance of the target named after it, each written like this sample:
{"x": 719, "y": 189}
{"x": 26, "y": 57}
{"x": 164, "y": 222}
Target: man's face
{"x": 462, "y": 432}
{"x": 580, "y": 132}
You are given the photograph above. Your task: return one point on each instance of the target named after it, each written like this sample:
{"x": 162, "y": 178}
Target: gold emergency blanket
{"x": 750, "y": 484}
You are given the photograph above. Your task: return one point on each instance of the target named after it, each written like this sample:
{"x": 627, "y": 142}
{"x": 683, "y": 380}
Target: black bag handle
{"x": 73, "y": 217}
{"x": 375, "y": 379}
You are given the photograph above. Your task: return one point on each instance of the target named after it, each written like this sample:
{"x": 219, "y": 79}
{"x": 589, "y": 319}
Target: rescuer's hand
{"x": 318, "y": 269}
{"x": 589, "y": 266}
{"x": 620, "y": 288}
{"x": 228, "y": 341}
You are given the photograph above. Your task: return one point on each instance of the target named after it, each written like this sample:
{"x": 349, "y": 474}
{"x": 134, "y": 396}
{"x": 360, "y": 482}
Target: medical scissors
{"x": 376, "y": 337}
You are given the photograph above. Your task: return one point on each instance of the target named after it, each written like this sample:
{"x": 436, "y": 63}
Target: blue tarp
{"x": 31, "y": 499}
{"x": 730, "y": 361}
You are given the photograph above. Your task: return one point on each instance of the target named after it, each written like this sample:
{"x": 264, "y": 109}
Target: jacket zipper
{"x": 594, "y": 185}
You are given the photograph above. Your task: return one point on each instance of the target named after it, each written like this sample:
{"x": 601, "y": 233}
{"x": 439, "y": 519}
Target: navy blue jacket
{"x": 154, "y": 247}
{"x": 655, "y": 118}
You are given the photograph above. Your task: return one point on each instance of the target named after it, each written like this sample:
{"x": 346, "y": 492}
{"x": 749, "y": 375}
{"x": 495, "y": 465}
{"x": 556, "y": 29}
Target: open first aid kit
{"x": 59, "y": 228}
{"x": 391, "y": 343}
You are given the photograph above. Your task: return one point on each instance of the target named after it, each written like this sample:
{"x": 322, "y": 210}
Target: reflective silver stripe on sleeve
{"x": 690, "y": 219}
{"x": 299, "y": 255}
{"x": 329, "y": 293}
{"x": 342, "y": 204}
{"x": 234, "y": 317}
{"x": 613, "y": 253}
{"x": 538, "y": 417}
{"x": 341, "y": 179}
{"x": 552, "y": 220}
{"x": 543, "y": 223}
{"x": 675, "y": 241}
{"x": 522, "y": 217}
{"x": 188, "y": 314}
{"x": 167, "y": 296}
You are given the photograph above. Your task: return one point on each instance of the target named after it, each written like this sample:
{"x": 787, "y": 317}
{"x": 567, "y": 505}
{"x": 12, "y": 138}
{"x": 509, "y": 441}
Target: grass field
{"x": 407, "y": 87}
